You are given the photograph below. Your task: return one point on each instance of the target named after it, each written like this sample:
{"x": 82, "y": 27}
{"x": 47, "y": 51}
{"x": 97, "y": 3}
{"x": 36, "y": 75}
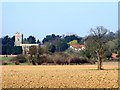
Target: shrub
{"x": 108, "y": 55}
{"x": 4, "y": 63}
{"x": 17, "y": 63}
{"x": 60, "y": 58}
{"x": 56, "y": 58}
{"x": 92, "y": 61}
{"x": 49, "y": 59}
{"x": 77, "y": 60}
{"x": 41, "y": 59}
{"x": 19, "y": 58}
{"x": 61, "y": 61}
{"x": 33, "y": 62}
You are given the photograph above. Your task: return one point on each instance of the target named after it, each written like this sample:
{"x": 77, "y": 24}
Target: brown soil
{"x": 58, "y": 76}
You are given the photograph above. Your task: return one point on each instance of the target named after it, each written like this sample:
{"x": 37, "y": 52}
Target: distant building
{"x": 114, "y": 56}
{"x": 77, "y": 47}
{"x": 19, "y": 42}
{"x": 18, "y": 39}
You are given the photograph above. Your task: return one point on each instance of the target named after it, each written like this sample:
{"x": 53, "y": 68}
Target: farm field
{"x": 60, "y": 76}
{"x": 5, "y": 58}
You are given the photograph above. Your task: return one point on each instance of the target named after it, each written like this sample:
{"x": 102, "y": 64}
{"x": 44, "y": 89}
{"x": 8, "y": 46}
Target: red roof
{"x": 114, "y": 55}
{"x": 77, "y": 46}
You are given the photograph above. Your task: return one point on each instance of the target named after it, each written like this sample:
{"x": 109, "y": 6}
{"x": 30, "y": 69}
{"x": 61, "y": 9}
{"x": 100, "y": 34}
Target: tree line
{"x": 7, "y": 46}
{"x": 100, "y": 44}
{"x": 53, "y": 42}
{"x": 57, "y": 43}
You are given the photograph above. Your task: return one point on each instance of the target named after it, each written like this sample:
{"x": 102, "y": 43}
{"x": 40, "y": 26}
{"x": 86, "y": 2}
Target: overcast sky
{"x": 40, "y": 19}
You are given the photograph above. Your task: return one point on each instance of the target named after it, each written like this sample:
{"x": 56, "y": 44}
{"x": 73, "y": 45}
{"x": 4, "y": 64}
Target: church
{"x": 19, "y": 42}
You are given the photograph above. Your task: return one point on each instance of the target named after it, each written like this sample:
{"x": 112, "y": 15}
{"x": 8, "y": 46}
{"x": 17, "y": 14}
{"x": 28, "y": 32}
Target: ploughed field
{"x": 60, "y": 76}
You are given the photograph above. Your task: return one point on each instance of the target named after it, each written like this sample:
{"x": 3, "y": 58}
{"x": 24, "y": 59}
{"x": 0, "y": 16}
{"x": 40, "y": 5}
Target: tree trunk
{"x": 99, "y": 61}
{"x": 100, "y": 64}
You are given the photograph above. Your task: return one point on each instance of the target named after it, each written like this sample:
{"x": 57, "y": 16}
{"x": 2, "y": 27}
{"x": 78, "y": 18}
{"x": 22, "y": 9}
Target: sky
{"x": 45, "y": 18}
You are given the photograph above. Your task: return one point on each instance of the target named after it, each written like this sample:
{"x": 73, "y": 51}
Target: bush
{"x": 56, "y": 58}
{"x": 17, "y": 63}
{"x": 61, "y": 62}
{"x": 41, "y": 59}
{"x": 108, "y": 54}
{"x": 77, "y": 60}
{"x": 19, "y": 58}
{"x": 49, "y": 59}
{"x": 60, "y": 58}
{"x": 4, "y": 63}
{"x": 33, "y": 62}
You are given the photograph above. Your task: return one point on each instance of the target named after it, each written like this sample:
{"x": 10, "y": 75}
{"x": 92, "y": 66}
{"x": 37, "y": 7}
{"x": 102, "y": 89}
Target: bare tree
{"x": 98, "y": 42}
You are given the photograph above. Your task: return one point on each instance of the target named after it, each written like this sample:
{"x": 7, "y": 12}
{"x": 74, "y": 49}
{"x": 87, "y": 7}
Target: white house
{"x": 77, "y": 47}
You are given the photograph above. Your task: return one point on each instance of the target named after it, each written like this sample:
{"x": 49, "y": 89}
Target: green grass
{"x": 21, "y": 64}
{"x": 5, "y": 58}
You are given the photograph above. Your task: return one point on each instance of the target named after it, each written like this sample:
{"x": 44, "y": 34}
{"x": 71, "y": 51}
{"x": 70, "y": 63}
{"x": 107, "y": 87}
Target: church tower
{"x": 18, "y": 39}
